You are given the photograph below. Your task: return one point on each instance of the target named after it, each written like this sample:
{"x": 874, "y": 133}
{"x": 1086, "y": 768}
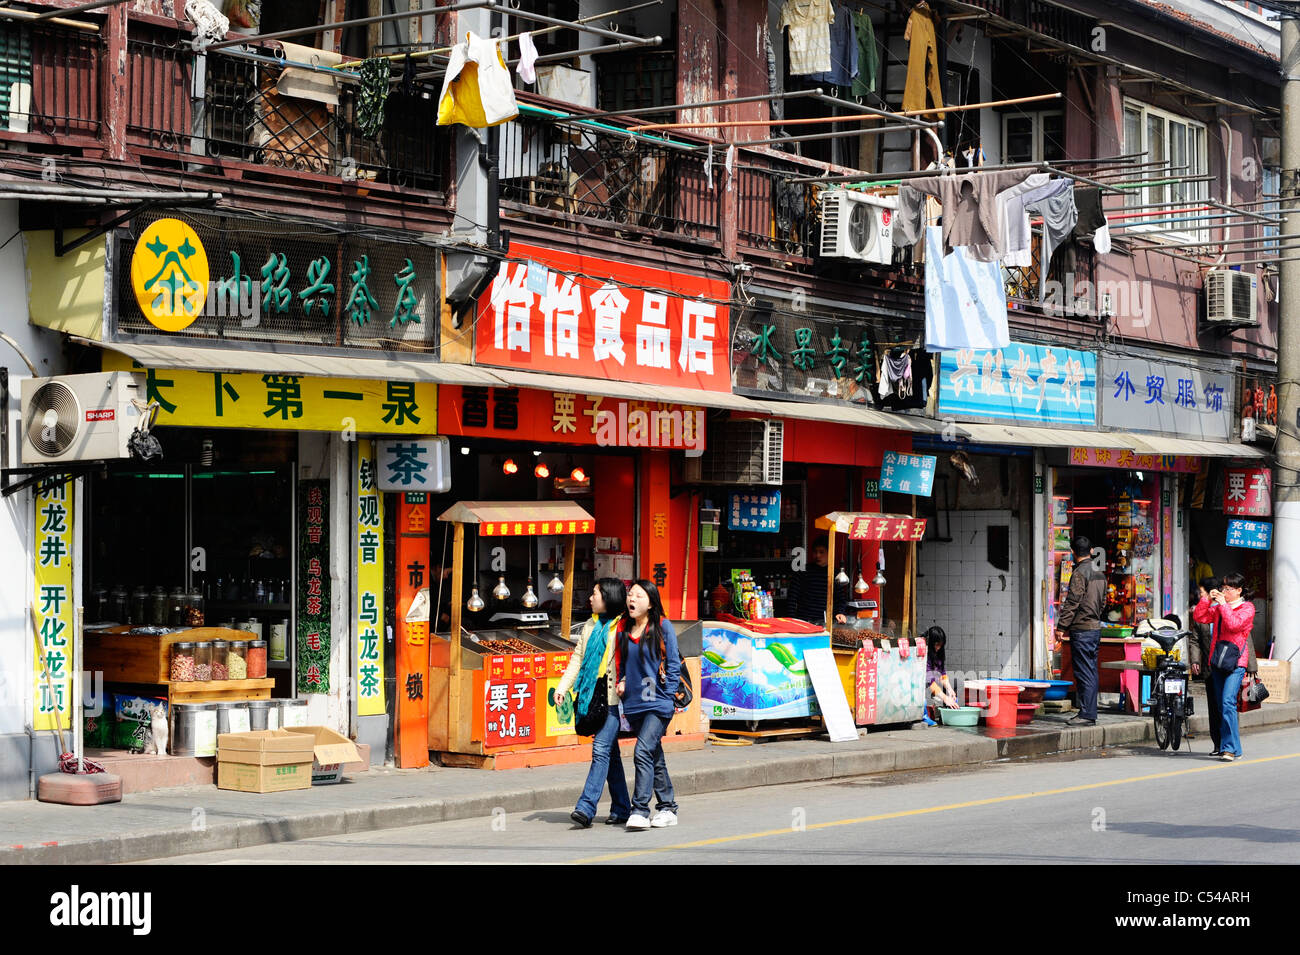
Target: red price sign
{"x": 510, "y": 712}
{"x": 864, "y": 683}
{"x": 887, "y": 527}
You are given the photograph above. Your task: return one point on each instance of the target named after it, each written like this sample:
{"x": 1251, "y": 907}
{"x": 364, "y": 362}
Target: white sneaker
{"x": 663, "y": 819}
{"x": 637, "y": 821}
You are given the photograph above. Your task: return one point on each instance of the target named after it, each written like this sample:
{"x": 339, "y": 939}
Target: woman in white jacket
{"x": 585, "y": 676}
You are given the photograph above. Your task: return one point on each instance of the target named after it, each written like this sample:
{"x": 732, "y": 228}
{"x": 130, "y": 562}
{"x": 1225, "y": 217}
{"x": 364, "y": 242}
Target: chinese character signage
{"x": 313, "y": 586}
{"x": 1034, "y": 384}
{"x": 568, "y": 418}
{"x": 528, "y": 528}
{"x": 411, "y": 734}
{"x": 1248, "y": 492}
{"x": 1126, "y": 460}
{"x": 54, "y": 605}
{"x": 411, "y": 465}
{"x": 1190, "y": 402}
{"x": 907, "y": 473}
{"x": 747, "y": 511}
{"x": 285, "y": 402}
{"x": 1256, "y": 535}
{"x": 370, "y": 585}
{"x": 604, "y": 319}
{"x": 864, "y": 685}
{"x": 887, "y": 527}
{"x": 510, "y": 711}
{"x": 209, "y": 277}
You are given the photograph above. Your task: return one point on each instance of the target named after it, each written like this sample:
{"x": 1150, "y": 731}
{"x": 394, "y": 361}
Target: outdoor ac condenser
{"x": 746, "y": 451}
{"x": 857, "y": 225}
{"x": 79, "y": 417}
{"x": 1230, "y": 298}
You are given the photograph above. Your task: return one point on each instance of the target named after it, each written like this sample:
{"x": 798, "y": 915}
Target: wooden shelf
{"x": 217, "y": 690}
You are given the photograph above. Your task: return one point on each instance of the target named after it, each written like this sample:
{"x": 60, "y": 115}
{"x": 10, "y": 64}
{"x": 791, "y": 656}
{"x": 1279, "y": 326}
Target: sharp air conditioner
{"x": 856, "y": 225}
{"x": 1230, "y": 298}
{"x": 79, "y": 417}
{"x": 743, "y": 451}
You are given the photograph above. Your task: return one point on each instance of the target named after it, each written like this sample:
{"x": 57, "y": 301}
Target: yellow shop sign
{"x": 214, "y": 399}
{"x": 169, "y": 274}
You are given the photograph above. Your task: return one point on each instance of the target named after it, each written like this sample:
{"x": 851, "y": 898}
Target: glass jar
{"x": 138, "y": 613}
{"x": 182, "y": 668}
{"x": 203, "y": 662}
{"x": 237, "y": 660}
{"x": 158, "y": 607}
{"x": 176, "y": 607}
{"x": 119, "y": 605}
{"x": 219, "y": 650}
{"x": 231, "y": 593}
{"x": 98, "y": 604}
{"x": 195, "y": 613}
{"x": 257, "y": 660}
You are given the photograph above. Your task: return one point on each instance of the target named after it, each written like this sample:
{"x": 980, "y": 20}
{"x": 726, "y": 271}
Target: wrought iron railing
{"x": 579, "y": 174}
{"x": 235, "y": 111}
{"x": 773, "y": 213}
{"x": 49, "y": 80}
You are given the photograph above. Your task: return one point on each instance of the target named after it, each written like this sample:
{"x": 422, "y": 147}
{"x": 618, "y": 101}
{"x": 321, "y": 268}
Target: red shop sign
{"x": 886, "y": 527}
{"x": 596, "y": 318}
{"x": 1248, "y": 492}
{"x": 510, "y": 709}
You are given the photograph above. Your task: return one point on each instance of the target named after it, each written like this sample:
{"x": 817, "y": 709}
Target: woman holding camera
{"x": 1232, "y": 616}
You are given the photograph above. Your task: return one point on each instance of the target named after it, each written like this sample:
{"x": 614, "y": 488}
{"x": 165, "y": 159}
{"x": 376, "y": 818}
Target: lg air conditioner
{"x": 859, "y": 226}
{"x": 1230, "y": 298}
{"x": 79, "y": 417}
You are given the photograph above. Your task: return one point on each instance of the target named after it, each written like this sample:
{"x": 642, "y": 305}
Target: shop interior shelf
{"x": 216, "y": 690}
{"x": 213, "y": 604}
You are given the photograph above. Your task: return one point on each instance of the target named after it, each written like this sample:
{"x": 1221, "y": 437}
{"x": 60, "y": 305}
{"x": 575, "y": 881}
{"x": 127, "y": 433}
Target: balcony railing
{"x": 49, "y": 81}
{"x": 234, "y": 112}
{"x": 775, "y": 215}
{"x": 584, "y": 176}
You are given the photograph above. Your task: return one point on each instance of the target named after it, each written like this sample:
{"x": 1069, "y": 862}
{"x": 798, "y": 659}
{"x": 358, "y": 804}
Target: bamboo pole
{"x": 851, "y": 119}
{"x": 566, "y": 602}
{"x": 830, "y": 579}
{"x": 454, "y": 741}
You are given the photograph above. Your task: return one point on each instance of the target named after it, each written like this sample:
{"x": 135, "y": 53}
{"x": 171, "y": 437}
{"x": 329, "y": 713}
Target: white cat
{"x": 157, "y": 730}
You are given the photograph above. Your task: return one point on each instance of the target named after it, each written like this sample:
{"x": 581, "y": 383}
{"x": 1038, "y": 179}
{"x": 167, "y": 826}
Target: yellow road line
{"x": 722, "y": 840}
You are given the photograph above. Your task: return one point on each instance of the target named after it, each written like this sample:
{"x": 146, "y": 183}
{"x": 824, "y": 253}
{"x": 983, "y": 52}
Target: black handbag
{"x": 1256, "y": 692}
{"x": 685, "y": 692}
{"x": 1225, "y": 656}
{"x": 597, "y": 710}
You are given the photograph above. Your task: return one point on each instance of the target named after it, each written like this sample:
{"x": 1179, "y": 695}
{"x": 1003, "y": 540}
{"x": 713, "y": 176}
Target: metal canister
{"x": 293, "y": 713}
{"x": 193, "y": 729}
{"x": 232, "y": 716}
{"x": 263, "y": 714}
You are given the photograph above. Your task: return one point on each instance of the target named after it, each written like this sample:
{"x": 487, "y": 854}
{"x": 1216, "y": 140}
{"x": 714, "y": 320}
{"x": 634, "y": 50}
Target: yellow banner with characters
{"x": 54, "y": 606}
{"x": 370, "y": 585}
{"x": 214, "y": 399}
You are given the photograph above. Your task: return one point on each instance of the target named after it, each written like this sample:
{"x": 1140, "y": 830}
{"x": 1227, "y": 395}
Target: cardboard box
{"x": 330, "y": 750}
{"x": 264, "y": 761}
{"x": 1276, "y": 677}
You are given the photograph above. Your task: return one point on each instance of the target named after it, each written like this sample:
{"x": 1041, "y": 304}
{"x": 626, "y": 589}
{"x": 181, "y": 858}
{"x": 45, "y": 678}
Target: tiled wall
{"x": 977, "y": 604}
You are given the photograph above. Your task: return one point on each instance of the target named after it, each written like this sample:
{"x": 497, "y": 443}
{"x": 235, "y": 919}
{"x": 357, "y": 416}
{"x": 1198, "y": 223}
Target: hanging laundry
{"x": 708, "y": 168}
{"x": 864, "y": 82}
{"x": 922, "y": 63}
{"x": 1059, "y": 216}
{"x": 898, "y": 367}
{"x": 476, "y": 90}
{"x": 408, "y": 75}
{"x": 844, "y": 51}
{"x": 970, "y": 209}
{"x": 1092, "y": 219}
{"x": 965, "y": 304}
{"x": 1017, "y": 237}
{"x": 729, "y": 163}
{"x": 909, "y": 217}
{"x": 374, "y": 94}
{"x": 527, "y": 69}
{"x": 1101, "y": 240}
{"x": 809, "y": 26}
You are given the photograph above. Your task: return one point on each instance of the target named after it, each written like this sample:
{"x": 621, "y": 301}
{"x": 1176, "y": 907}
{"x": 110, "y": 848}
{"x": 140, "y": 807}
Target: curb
{"x": 246, "y": 833}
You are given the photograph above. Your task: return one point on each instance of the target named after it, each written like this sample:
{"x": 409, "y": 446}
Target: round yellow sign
{"x": 169, "y": 273}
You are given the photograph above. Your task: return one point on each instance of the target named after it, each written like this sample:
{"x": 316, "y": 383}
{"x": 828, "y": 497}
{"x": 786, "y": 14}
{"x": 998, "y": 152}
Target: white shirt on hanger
{"x": 809, "y": 24}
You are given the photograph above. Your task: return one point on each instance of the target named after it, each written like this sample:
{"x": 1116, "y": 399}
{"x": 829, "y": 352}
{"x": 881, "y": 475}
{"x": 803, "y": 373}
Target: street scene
{"x": 647, "y": 432}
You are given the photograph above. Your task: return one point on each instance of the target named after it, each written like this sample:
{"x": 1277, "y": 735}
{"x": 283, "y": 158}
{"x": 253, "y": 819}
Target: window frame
{"x": 1197, "y": 156}
{"x": 1036, "y": 118}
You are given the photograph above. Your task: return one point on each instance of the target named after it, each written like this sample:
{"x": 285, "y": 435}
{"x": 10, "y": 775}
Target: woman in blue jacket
{"x": 648, "y": 668}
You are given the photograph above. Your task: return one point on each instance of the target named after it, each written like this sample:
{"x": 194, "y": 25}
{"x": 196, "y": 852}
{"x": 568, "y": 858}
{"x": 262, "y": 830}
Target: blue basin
{"x": 1056, "y": 689}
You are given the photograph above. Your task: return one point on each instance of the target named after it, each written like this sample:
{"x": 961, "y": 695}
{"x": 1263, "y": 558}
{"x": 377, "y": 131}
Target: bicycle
{"x": 1171, "y": 703}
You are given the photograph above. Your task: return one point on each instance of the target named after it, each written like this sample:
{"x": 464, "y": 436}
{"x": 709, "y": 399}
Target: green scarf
{"x": 592, "y": 654}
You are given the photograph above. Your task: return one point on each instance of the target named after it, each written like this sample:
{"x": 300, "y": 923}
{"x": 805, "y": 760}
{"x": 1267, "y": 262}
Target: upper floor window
{"x": 1179, "y": 143}
{"x": 1033, "y": 136}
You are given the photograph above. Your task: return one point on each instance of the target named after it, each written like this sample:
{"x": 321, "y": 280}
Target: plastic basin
{"x": 1056, "y": 689}
{"x": 1025, "y": 713}
{"x": 1002, "y": 704}
{"x": 1034, "y": 691}
{"x": 961, "y": 716}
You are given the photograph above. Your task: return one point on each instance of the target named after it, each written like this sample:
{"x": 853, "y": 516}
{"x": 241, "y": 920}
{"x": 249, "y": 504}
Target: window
{"x": 1033, "y": 137}
{"x": 1180, "y": 143}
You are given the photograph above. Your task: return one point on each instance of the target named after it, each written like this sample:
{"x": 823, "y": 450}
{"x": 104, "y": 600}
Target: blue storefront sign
{"x": 1257, "y": 535}
{"x": 1039, "y": 384}
{"x": 751, "y": 511}
{"x": 907, "y": 473}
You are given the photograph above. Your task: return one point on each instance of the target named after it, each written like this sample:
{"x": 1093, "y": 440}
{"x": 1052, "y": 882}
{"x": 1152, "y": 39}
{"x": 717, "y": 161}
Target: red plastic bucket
{"x": 1002, "y": 704}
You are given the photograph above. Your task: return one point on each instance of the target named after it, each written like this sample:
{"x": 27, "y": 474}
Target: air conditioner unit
{"x": 856, "y": 225}
{"x": 745, "y": 451}
{"x": 79, "y": 417}
{"x": 1230, "y": 297}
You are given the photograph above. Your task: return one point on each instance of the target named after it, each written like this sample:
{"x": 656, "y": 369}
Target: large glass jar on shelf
{"x": 237, "y": 660}
{"x": 203, "y": 662}
{"x": 119, "y": 605}
{"x": 257, "y": 660}
{"x": 158, "y": 607}
{"x": 176, "y": 607}
{"x": 219, "y": 669}
{"x": 195, "y": 612}
{"x": 138, "y": 612}
{"x": 182, "y": 665}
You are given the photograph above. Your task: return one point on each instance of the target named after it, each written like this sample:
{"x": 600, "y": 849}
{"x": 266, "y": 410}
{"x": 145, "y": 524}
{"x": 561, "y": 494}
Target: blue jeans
{"x": 1084, "y": 645}
{"x": 1214, "y": 703}
{"x": 606, "y": 766}
{"x": 651, "y": 768}
{"x": 1227, "y": 687}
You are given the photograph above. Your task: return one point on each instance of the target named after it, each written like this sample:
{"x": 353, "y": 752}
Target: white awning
{"x": 1116, "y": 440}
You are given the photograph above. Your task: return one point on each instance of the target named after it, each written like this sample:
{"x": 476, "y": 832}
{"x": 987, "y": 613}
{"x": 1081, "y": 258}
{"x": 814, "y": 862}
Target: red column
{"x": 411, "y": 734}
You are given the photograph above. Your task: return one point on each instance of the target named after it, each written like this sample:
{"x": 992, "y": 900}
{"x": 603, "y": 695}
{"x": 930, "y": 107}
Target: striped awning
{"x": 520, "y": 518}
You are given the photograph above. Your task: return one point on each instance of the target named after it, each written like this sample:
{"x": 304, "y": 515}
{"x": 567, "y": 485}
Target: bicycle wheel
{"x": 1175, "y": 730}
{"x": 1161, "y": 716}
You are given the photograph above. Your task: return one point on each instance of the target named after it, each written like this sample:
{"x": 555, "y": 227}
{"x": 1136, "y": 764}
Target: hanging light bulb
{"x": 879, "y": 579}
{"x": 578, "y": 474}
{"x": 501, "y": 591}
{"x": 529, "y": 599}
{"x": 861, "y": 586}
{"x": 542, "y": 471}
{"x": 509, "y": 467}
{"x": 475, "y": 602}
{"x": 556, "y": 585}
{"x": 842, "y": 578}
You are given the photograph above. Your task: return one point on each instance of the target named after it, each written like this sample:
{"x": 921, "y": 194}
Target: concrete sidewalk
{"x": 204, "y": 819}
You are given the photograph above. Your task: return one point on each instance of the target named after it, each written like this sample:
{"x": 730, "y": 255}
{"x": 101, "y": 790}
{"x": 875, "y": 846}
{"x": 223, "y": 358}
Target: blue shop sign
{"x": 754, "y": 511}
{"x": 1257, "y": 535}
{"x": 1039, "y": 384}
{"x": 907, "y": 473}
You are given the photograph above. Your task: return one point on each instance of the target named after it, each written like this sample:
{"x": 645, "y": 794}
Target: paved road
{"x": 1132, "y": 805}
